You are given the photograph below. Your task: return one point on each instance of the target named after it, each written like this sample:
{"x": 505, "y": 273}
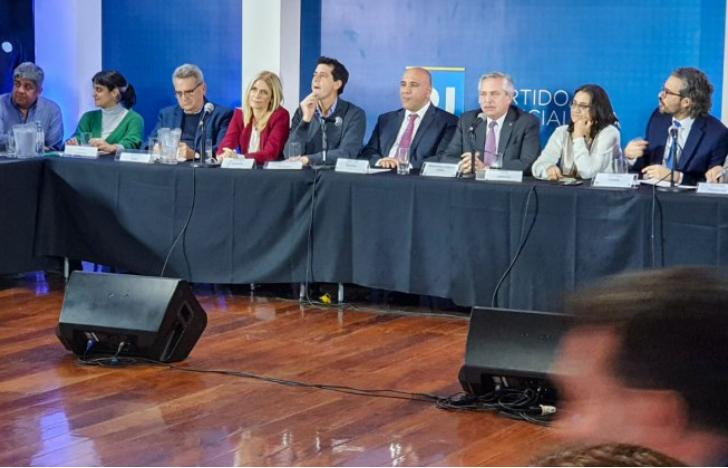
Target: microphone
{"x": 673, "y": 154}
{"x": 206, "y": 110}
{"x": 476, "y": 121}
{"x": 471, "y": 131}
{"x": 337, "y": 121}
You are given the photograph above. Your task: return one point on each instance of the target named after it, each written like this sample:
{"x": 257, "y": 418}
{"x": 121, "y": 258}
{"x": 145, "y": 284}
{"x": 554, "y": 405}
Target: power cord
{"x": 522, "y": 404}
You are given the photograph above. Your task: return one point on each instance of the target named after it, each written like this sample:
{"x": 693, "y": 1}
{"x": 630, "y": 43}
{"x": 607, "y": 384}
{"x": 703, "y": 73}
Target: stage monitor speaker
{"x": 511, "y": 348}
{"x": 157, "y": 318}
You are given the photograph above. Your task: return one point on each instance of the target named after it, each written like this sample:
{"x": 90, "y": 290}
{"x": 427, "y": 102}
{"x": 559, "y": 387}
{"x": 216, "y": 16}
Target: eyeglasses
{"x": 188, "y": 93}
{"x": 581, "y": 107}
{"x": 670, "y": 93}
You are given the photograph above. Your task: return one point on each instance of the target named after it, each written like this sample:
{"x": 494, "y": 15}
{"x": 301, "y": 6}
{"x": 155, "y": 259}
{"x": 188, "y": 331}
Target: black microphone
{"x": 206, "y": 110}
{"x": 337, "y": 121}
{"x": 673, "y": 155}
{"x": 477, "y": 120}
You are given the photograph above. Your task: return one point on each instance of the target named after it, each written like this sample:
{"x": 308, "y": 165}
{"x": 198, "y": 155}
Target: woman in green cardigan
{"x": 114, "y": 126}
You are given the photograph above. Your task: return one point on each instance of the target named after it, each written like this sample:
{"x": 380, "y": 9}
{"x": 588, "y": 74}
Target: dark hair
{"x": 697, "y": 88}
{"x": 112, "y": 79}
{"x": 340, "y": 73}
{"x": 672, "y": 326}
{"x": 600, "y": 112}
{"x": 608, "y": 454}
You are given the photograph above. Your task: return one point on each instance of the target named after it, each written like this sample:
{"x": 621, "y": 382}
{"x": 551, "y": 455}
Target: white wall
{"x": 271, "y": 41}
{"x": 68, "y": 48}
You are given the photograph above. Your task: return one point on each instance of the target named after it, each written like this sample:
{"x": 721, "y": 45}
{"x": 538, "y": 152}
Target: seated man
{"x": 646, "y": 363}
{"x": 498, "y": 131}
{"x": 702, "y": 140}
{"x": 344, "y": 122}
{"x": 190, "y": 89}
{"x": 25, "y": 105}
{"x": 419, "y": 126}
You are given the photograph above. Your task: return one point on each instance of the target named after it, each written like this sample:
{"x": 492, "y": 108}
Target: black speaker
{"x": 511, "y": 349}
{"x": 156, "y": 318}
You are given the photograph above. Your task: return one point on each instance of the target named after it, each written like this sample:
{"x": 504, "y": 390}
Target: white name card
{"x": 712, "y": 189}
{"x": 237, "y": 163}
{"x": 614, "y": 180}
{"x": 128, "y": 156}
{"x": 289, "y": 165}
{"x": 81, "y": 151}
{"x": 352, "y": 166}
{"x": 434, "y": 169}
{"x": 502, "y": 175}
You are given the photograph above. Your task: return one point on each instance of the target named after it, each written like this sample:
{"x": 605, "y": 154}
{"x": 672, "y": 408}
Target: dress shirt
{"x": 420, "y": 115}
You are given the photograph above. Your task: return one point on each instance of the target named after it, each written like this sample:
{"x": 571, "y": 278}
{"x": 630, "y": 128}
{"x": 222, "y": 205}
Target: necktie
{"x": 490, "y": 154}
{"x": 672, "y": 153}
{"x": 406, "y": 139}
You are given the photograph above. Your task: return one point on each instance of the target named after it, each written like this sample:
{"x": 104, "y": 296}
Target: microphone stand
{"x": 471, "y": 132}
{"x": 203, "y": 128}
{"x": 324, "y": 141}
{"x": 672, "y": 156}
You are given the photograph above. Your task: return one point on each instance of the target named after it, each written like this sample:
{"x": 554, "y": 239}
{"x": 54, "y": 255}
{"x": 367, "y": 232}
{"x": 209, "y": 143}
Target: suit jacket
{"x": 344, "y": 141}
{"x": 215, "y": 128}
{"x": 272, "y": 138}
{"x": 519, "y": 143}
{"x": 433, "y": 135}
{"x": 705, "y": 147}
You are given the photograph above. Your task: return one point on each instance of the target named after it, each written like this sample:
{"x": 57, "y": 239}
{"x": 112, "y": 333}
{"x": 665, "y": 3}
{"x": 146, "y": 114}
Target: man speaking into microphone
{"x": 325, "y": 126}
{"x": 499, "y": 134}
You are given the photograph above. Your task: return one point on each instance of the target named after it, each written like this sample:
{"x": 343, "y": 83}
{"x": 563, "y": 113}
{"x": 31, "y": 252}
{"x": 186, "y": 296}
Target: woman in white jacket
{"x": 587, "y": 145}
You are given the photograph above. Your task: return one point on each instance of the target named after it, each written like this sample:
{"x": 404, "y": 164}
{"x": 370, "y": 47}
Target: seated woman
{"x": 115, "y": 126}
{"x": 260, "y": 129}
{"x": 587, "y": 145}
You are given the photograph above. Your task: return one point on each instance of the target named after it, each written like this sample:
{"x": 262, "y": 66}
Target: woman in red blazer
{"x": 260, "y": 129}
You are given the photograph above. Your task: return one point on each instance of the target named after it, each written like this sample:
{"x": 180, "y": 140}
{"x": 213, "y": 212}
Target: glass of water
{"x": 11, "y": 144}
{"x": 293, "y": 150}
{"x": 403, "y": 166}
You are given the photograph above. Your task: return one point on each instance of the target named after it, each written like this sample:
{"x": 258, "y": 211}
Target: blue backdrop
{"x": 147, "y": 40}
{"x": 550, "y": 48}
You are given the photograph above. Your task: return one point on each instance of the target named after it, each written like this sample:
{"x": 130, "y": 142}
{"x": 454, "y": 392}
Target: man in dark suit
{"x": 191, "y": 90}
{"x": 419, "y": 126}
{"x": 702, "y": 140}
{"x": 343, "y": 122}
{"x": 501, "y": 134}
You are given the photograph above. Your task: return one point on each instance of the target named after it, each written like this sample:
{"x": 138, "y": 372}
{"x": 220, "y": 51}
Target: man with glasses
{"x": 501, "y": 134}
{"x": 24, "y": 104}
{"x": 190, "y": 90}
{"x": 681, "y": 119}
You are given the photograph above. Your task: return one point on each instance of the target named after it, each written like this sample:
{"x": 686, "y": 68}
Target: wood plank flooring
{"x": 54, "y": 411}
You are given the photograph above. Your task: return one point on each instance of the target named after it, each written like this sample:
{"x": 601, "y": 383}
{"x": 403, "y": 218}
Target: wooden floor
{"x": 54, "y": 411}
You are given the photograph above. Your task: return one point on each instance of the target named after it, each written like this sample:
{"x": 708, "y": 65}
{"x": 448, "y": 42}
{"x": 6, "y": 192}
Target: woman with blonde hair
{"x": 260, "y": 129}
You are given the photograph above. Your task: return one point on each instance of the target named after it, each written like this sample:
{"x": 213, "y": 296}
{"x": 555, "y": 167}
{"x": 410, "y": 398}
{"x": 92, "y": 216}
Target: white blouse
{"x": 576, "y": 156}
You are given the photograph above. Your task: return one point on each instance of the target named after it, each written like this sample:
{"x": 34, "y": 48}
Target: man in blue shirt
{"x": 25, "y": 105}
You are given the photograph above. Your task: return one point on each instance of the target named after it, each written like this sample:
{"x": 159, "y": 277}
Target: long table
{"x": 440, "y": 237}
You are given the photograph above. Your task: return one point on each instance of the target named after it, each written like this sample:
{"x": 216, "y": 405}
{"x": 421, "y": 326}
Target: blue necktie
{"x": 672, "y": 154}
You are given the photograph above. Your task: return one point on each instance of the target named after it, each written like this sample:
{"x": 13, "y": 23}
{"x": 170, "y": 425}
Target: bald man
{"x": 418, "y": 125}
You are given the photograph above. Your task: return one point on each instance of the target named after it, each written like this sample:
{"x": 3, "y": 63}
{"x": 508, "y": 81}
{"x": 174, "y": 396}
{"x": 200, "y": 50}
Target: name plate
{"x": 288, "y": 165}
{"x": 352, "y": 166}
{"x": 237, "y": 163}
{"x": 433, "y": 169}
{"x": 712, "y": 189}
{"x": 141, "y": 157}
{"x": 502, "y": 175}
{"x": 604, "y": 179}
{"x": 81, "y": 151}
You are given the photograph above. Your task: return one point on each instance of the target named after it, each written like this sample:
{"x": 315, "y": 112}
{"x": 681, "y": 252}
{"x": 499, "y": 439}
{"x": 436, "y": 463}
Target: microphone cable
{"x": 183, "y": 230}
{"x": 525, "y": 233}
